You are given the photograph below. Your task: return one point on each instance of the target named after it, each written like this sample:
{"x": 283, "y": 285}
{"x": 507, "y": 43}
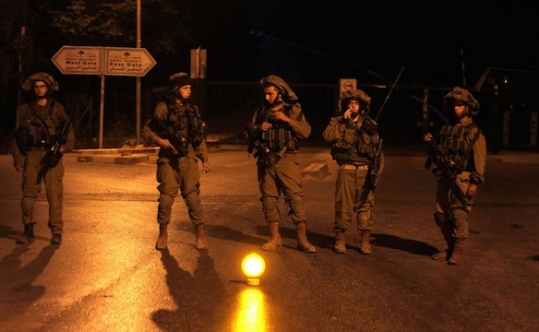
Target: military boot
{"x": 457, "y": 251}
{"x": 340, "y": 243}
{"x": 275, "y": 241}
{"x": 365, "y": 244}
{"x": 447, "y": 231}
{"x": 303, "y": 243}
{"x": 200, "y": 237}
{"x": 447, "y": 252}
{"x": 56, "y": 238}
{"x": 162, "y": 240}
{"x": 27, "y": 235}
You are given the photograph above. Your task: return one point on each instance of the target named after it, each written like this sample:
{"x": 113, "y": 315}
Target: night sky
{"x": 434, "y": 41}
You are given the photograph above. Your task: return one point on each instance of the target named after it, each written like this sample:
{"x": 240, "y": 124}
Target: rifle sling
{"x": 469, "y": 148}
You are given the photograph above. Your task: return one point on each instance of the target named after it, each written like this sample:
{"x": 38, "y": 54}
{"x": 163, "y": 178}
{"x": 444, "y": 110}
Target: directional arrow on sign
{"x": 124, "y": 61}
{"x": 82, "y": 60}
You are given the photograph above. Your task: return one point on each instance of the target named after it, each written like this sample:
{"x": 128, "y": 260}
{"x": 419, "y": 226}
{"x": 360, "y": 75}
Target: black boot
{"x": 27, "y": 235}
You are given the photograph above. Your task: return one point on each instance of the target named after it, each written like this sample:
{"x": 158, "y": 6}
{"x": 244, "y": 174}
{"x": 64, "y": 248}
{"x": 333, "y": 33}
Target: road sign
{"x": 124, "y": 61}
{"x": 82, "y": 60}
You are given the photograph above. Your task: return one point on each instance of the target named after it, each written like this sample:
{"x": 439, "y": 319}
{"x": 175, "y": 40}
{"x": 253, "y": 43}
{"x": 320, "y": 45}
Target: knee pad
{"x": 192, "y": 199}
{"x": 194, "y": 206}
{"x": 165, "y": 202}
{"x": 296, "y": 206}
{"x": 363, "y": 217}
{"x": 270, "y": 208}
{"x": 460, "y": 215}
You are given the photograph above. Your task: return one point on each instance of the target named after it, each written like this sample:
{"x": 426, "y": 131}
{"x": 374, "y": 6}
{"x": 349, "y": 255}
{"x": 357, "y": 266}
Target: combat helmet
{"x": 459, "y": 94}
{"x": 42, "y": 77}
{"x": 288, "y": 94}
{"x": 359, "y": 95}
{"x": 178, "y": 80}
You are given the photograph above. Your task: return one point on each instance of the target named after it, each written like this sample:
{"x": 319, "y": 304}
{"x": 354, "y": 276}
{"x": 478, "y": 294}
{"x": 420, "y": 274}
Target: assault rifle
{"x": 373, "y": 171}
{"x": 52, "y": 158}
{"x": 179, "y": 142}
{"x": 445, "y": 167}
{"x": 262, "y": 149}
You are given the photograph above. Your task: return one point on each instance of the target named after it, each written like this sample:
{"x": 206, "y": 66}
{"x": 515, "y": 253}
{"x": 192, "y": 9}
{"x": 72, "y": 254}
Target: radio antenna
{"x": 389, "y": 94}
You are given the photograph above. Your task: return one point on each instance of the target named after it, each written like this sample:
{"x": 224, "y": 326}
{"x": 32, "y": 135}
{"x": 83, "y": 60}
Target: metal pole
{"x": 101, "y": 110}
{"x": 462, "y": 68}
{"x": 19, "y": 93}
{"x": 138, "y": 82}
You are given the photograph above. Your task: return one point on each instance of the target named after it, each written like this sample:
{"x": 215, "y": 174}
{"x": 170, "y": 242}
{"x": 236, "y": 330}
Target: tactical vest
{"x": 280, "y": 135}
{"x": 38, "y": 129}
{"x": 357, "y": 145}
{"x": 186, "y": 122}
{"x": 455, "y": 142}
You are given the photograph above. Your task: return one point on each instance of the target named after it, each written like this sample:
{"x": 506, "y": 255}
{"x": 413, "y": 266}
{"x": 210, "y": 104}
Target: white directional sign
{"x": 95, "y": 60}
{"x": 82, "y": 60}
{"x": 123, "y": 61}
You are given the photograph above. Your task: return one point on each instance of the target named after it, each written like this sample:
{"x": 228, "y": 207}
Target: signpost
{"x": 79, "y": 60}
{"x": 95, "y": 60}
{"x": 112, "y": 61}
{"x": 124, "y": 61}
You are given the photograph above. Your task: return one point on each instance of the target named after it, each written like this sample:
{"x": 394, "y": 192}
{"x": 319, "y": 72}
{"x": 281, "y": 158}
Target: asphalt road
{"x": 107, "y": 276}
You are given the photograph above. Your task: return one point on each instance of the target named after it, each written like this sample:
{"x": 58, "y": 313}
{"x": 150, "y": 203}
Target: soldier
{"x": 277, "y": 127}
{"x": 43, "y": 135}
{"x": 357, "y": 149}
{"x": 178, "y": 129}
{"x": 463, "y": 146}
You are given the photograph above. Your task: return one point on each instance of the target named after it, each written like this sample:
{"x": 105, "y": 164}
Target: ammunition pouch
{"x": 199, "y": 131}
{"x": 348, "y": 141}
{"x": 277, "y": 139}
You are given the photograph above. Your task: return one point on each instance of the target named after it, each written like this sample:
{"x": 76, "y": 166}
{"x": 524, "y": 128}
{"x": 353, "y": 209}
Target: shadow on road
{"x": 399, "y": 243}
{"x": 197, "y": 296}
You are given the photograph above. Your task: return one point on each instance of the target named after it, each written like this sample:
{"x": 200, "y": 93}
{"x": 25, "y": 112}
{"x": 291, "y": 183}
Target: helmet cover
{"x": 285, "y": 90}
{"x": 42, "y": 77}
{"x": 461, "y": 95}
{"x": 356, "y": 94}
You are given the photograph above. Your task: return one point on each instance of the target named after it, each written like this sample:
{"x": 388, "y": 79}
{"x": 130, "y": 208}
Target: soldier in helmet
{"x": 357, "y": 149}
{"x": 279, "y": 125}
{"x": 43, "y": 128}
{"x": 177, "y": 128}
{"x": 463, "y": 144}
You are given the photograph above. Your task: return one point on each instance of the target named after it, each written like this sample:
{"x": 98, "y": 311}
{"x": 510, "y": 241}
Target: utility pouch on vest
{"x": 276, "y": 139}
{"x": 23, "y": 139}
{"x": 348, "y": 140}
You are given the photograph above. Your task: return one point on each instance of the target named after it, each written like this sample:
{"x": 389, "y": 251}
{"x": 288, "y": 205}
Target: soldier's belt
{"x": 40, "y": 147}
{"x": 354, "y": 167}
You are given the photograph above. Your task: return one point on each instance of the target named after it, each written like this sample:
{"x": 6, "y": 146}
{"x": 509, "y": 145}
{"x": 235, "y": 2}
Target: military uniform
{"x": 177, "y": 169}
{"x": 40, "y": 127}
{"x": 278, "y": 167}
{"x": 464, "y": 146}
{"x": 356, "y": 147}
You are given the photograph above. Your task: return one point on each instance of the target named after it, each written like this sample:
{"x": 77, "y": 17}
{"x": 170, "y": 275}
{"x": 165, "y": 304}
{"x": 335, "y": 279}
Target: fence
{"x": 508, "y": 117}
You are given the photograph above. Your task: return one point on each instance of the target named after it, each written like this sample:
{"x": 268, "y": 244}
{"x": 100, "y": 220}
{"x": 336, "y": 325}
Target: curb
{"x": 118, "y": 160}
